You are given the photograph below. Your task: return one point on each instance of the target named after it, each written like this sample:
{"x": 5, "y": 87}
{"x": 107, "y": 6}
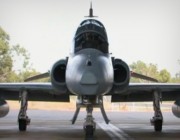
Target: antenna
{"x": 91, "y": 11}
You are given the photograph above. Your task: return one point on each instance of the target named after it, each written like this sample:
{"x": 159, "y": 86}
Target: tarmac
{"x": 56, "y": 125}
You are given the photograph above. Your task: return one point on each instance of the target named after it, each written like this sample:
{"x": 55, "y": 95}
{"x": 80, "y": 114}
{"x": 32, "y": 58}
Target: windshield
{"x": 91, "y": 34}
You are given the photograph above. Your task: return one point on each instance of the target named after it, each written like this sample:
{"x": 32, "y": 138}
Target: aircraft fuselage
{"x": 89, "y": 72}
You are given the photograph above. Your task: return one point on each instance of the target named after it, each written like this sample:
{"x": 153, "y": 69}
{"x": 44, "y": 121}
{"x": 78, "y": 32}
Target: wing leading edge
{"x": 139, "y": 92}
{"x": 36, "y": 92}
{"x": 136, "y": 92}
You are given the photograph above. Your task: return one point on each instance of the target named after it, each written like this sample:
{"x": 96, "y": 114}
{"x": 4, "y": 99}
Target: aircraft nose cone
{"x": 88, "y": 78}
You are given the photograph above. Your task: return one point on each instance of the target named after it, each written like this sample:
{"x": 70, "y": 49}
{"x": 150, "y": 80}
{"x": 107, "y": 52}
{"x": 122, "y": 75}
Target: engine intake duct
{"x": 121, "y": 75}
{"x": 58, "y": 75}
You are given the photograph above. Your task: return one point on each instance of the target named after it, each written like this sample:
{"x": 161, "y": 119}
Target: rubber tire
{"x": 158, "y": 125}
{"x": 89, "y": 131}
{"x": 22, "y": 125}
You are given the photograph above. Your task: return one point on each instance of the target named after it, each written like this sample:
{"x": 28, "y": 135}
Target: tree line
{"x": 10, "y": 54}
{"x": 152, "y": 70}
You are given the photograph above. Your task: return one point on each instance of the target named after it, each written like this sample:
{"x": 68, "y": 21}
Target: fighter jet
{"x": 90, "y": 72}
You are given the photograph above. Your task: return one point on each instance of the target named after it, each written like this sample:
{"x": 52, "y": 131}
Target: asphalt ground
{"x": 56, "y": 125}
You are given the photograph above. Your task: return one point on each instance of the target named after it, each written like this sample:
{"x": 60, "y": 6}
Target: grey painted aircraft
{"x": 90, "y": 72}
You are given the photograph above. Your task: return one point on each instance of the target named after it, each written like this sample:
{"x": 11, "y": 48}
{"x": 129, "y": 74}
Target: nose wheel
{"x": 89, "y": 124}
{"x": 89, "y": 102}
{"x": 89, "y": 131}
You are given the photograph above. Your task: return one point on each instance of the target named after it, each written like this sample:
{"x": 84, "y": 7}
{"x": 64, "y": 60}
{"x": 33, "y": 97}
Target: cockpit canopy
{"x": 91, "y": 34}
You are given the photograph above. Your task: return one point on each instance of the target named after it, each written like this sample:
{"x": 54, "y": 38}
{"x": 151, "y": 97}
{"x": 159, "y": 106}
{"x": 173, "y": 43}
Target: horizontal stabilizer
{"x": 37, "y": 77}
{"x": 144, "y": 77}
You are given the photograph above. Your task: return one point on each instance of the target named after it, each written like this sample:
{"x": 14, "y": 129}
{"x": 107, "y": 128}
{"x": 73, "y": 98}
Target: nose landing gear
{"x": 89, "y": 103}
{"x": 89, "y": 124}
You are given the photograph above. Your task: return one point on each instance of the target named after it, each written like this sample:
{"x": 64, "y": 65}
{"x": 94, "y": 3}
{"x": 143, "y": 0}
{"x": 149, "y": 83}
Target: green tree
{"x": 22, "y": 54}
{"x": 5, "y": 57}
{"x": 164, "y": 76}
{"x": 176, "y": 79}
{"x": 140, "y": 67}
{"x": 9, "y": 56}
{"x": 150, "y": 70}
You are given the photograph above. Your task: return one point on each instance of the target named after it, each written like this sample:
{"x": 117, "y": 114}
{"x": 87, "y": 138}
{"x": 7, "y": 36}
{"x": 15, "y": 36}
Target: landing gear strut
{"x": 23, "y": 119}
{"x": 89, "y": 102}
{"x": 89, "y": 124}
{"x": 157, "y": 120}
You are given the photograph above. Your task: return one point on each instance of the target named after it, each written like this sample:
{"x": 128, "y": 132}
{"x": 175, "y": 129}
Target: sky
{"x": 146, "y": 30}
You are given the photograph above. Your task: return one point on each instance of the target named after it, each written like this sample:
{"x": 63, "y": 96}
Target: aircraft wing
{"x": 36, "y": 92}
{"x": 139, "y": 92}
{"x": 136, "y": 92}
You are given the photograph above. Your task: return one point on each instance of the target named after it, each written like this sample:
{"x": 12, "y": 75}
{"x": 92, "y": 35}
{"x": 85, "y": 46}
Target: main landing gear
{"x": 23, "y": 119}
{"x": 89, "y": 102}
{"x": 157, "y": 120}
